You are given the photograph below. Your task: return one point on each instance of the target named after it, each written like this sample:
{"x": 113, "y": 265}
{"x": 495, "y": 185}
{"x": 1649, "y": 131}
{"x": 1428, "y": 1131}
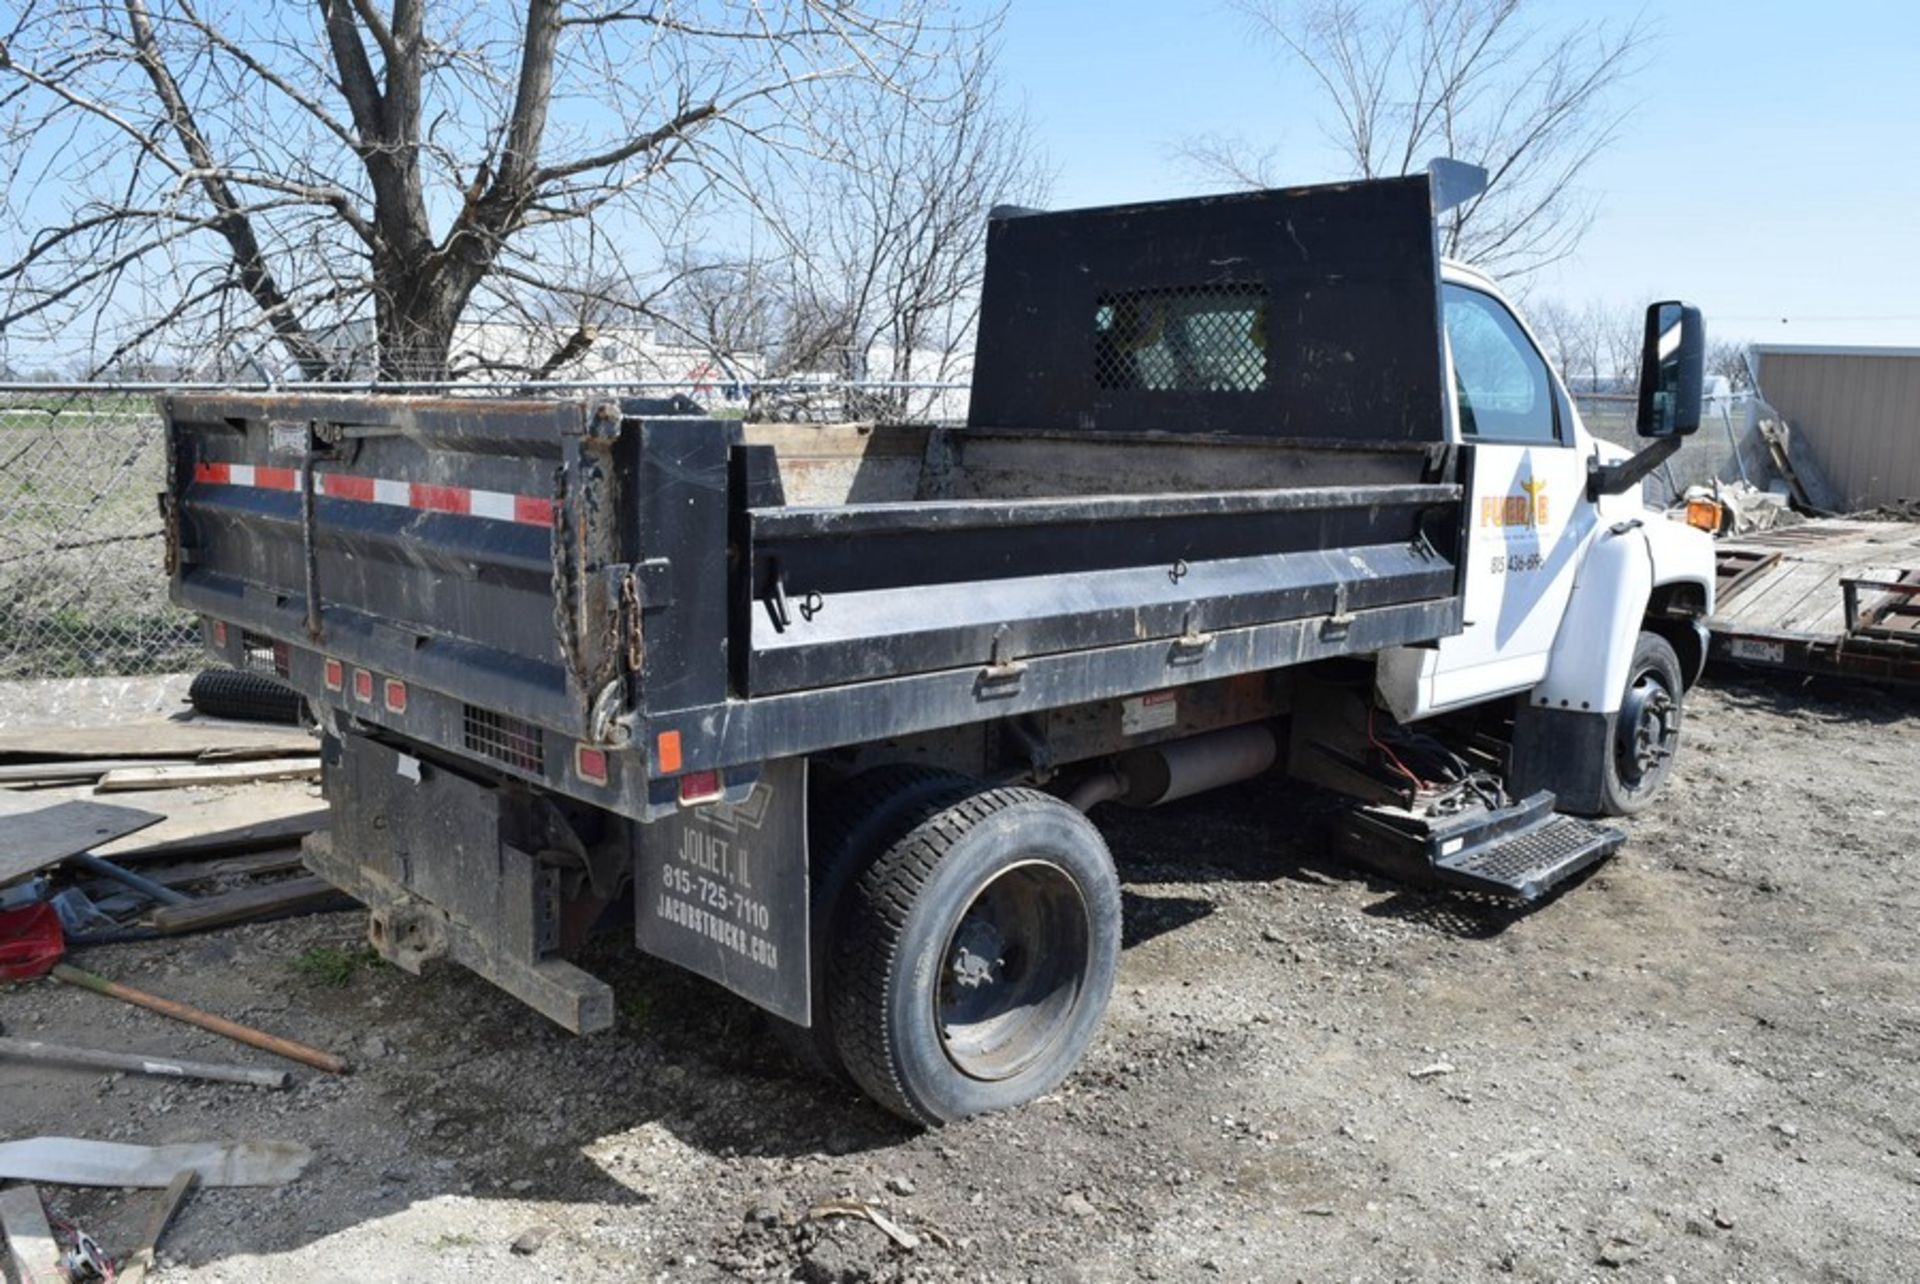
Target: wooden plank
{"x": 36, "y": 1255}
{"x": 143, "y": 1259}
{"x": 216, "y": 773}
{"x": 280, "y": 860}
{"x": 247, "y": 903}
{"x": 1773, "y": 598}
{"x": 74, "y": 769}
{"x": 202, "y": 822}
{"x": 155, "y": 738}
{"x": 32, "y": 840}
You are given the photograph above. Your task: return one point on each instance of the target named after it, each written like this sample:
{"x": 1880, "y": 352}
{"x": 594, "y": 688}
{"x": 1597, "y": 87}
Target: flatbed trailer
{"x": 1832, "y": 596}
{"x": 826, "y": 705}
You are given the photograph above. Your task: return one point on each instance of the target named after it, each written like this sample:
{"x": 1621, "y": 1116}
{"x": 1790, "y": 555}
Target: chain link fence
{"x": 83, "y": 587}
{"x": 83, "y": 590}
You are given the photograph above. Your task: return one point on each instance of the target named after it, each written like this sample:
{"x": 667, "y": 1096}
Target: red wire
{"x": 1418, "y": 784}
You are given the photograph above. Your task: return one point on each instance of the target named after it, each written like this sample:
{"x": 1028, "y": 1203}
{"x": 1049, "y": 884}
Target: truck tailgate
{"x": 437, "y": 540}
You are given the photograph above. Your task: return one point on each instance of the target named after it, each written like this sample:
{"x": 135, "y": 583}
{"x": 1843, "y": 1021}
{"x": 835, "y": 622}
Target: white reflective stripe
{"x": 240, "y": 474}
{"x": 490, "y": 503}
{"x": 392, "y": 492}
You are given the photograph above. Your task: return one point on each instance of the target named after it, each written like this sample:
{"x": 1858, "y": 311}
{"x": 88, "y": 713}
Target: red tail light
{"x": 335, "y": 674}
{"x": 396, "y": 694}
{"x": 700, "y": 786}
{"x": 362, "y": 685}
{"x": 590, "y": 764}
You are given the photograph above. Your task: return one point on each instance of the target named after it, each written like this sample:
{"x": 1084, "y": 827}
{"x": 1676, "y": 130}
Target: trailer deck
{"x": 1831, "y": 596}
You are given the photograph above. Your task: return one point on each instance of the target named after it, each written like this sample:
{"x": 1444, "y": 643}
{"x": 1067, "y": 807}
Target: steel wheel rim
{"x": 1649, "y": 726}
{"x": 1011, "y": 970}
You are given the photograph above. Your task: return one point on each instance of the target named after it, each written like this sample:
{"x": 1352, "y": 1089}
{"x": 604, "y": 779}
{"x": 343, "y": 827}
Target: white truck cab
{"x": 1562, "y": 576}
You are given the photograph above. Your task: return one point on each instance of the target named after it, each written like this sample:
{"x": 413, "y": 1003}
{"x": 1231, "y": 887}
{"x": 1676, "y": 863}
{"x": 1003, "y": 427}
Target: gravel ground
{"x": 1698, "y": 1064}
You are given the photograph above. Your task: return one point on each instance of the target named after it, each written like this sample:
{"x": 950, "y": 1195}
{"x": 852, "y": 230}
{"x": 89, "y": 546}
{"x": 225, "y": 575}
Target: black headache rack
{"x": 601, "y": 599}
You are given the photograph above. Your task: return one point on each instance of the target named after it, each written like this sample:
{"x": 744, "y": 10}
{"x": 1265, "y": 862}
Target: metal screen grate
{"x": 1205, "y": 338}
{"x": 263, "y": 655}
{"x": 510, "y": 740}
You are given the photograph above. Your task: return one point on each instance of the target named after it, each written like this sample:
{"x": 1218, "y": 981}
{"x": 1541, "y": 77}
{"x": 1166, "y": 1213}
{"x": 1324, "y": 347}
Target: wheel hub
{"x": 1012, "y": 971}
{"x": 1648, "y": 725}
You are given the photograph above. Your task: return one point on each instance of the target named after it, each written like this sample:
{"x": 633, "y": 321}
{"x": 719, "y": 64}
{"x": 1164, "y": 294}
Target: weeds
{"x": 333, "y": 967}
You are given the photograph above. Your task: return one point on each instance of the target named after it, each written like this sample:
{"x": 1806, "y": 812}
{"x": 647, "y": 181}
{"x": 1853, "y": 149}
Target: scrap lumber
{"x": 75, "y": 1161}
{"x": 154, "y": 738}
{"x": 288, "y": 1048}
{"x": 201, "y": 822}
{"x": 123, "y": 779}
{"x": 36, "y": 1254}
{"x": 35, "y": 834}
{"x": 280, "y": 860}
{"x": 69, "y": 771}
{"x": 60, "y": 1054}
{"x": 142, "y": 1259}
{"x": 245, "y": 903}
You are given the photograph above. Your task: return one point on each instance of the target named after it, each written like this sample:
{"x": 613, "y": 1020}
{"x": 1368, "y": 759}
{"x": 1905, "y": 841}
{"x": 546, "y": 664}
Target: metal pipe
{"x": 1103, "y": 786}
{"x": 140, "y": 883}
{"x": 1182, "y": 768}
{"x": 1161, "y": 773}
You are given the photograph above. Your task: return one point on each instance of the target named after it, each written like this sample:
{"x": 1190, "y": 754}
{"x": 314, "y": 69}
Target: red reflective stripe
{"x": 439, "y": 499}
{"x": 341, "y": 486}
{"x": 530, "y": 510}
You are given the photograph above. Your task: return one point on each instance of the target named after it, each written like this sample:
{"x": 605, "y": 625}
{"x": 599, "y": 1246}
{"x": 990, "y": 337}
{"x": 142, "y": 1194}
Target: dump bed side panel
{"x": 1308, "y": 313}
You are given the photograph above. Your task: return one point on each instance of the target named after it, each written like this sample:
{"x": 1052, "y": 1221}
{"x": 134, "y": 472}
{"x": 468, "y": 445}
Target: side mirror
{"x": 1673, "y": 368}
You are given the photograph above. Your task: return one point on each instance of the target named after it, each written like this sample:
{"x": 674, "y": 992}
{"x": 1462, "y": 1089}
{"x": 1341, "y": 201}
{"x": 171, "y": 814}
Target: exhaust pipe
{"x": 1180, "y": 768}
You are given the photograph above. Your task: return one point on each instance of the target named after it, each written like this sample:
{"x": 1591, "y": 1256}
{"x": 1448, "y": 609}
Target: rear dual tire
{"x": 971, "y": 952}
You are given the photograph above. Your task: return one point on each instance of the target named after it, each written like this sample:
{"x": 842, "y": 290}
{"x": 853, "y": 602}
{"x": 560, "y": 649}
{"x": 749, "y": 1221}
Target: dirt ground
{"x": 1703, "y": 1063}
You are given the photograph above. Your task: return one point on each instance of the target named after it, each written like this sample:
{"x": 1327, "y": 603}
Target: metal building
{"x": 1857, "y": 412}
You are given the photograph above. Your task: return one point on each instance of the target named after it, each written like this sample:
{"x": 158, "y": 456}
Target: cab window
{"x": 1501, "y": 380}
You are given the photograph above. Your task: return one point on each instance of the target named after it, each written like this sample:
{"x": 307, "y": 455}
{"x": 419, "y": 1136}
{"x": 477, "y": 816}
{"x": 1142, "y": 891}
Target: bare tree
{"x": 1730, "y": 358}
{"x": 866, "y": 258}
{"x": 275, "y": 177}
{"x": 1470, "y": 79}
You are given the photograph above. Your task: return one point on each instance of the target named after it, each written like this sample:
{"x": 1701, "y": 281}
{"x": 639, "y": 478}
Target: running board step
{"x": 1521, "y": 851}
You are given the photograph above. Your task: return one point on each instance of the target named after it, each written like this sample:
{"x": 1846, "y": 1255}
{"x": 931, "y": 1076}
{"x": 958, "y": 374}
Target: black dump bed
{"x": 1207, "y": 438}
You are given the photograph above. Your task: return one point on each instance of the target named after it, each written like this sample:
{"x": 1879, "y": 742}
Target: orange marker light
{"x": 666, "y": 755}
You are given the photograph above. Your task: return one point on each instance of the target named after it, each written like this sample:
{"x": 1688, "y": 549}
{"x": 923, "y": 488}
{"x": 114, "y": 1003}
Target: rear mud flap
{"x": 432, "y": 855}
{"x": 721, "y": 890}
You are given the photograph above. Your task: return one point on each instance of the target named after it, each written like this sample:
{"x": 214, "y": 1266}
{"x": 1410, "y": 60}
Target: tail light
{"x": 700, "y": 787}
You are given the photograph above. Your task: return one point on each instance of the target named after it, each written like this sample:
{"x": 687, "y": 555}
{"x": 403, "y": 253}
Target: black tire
{"x": 975, "y": 956}
{"x": 1646, "y": 732}
{"x": 249, "y": 697}
{"x": 856, "y": 821}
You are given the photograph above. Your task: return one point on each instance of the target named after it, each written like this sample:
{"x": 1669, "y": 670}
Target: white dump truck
{"x": 1248, "y": 483}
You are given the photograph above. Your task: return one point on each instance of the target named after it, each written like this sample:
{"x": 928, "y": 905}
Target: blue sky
{"x": 1768, "y": 166}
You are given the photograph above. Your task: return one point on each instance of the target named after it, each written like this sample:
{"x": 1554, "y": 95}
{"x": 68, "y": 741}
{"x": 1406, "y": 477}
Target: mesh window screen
{"x": 1206, "y": 338}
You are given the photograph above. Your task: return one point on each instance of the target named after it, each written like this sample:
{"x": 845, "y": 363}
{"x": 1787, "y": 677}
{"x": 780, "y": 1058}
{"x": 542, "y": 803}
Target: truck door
{"x": 1528, "y": 518}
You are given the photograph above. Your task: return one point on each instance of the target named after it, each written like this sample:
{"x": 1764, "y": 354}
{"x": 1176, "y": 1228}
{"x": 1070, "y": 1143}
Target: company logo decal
{"x": 1528, "y": 508}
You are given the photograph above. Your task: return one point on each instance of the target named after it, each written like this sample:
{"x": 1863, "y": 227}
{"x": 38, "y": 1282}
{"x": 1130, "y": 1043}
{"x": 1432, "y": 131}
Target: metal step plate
{"x": 1528, "y": 863}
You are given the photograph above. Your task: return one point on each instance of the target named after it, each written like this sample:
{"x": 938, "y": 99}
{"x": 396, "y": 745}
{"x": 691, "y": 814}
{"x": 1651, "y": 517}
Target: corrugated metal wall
{"x": 1857, "y": 411}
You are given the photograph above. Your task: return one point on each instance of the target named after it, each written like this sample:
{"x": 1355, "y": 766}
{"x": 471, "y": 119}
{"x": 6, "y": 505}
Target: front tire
{"x": 1646, "y": 731}
{"x": 976, "y": 957}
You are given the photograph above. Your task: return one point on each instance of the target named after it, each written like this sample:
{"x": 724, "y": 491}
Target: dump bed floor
{"x": 1782, "y": 599}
